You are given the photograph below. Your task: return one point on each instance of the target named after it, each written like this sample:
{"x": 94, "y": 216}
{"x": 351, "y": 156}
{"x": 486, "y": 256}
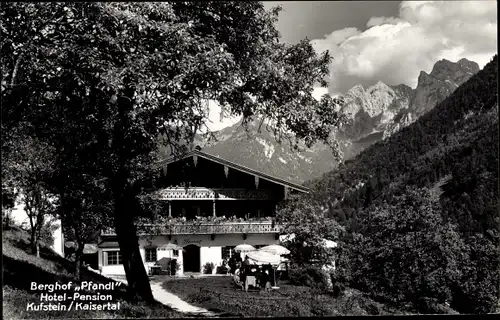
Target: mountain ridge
{"x": 423, "y": 204}
{"x": 373, "y": 114}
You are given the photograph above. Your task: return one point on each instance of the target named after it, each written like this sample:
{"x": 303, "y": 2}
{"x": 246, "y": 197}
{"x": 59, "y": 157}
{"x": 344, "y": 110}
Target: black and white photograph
{"x": 229, "y": 159}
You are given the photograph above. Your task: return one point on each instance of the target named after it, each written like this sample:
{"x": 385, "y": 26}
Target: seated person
{"x": 267, "y": 281}
{"x": 232, "y": 265}
{"x": 224, "y": 266}
{"x": 247, "y": 261}
{"x": 263, "y": 277}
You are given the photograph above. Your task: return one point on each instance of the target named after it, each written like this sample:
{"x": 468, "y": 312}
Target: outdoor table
{"x": 250, "y": 281}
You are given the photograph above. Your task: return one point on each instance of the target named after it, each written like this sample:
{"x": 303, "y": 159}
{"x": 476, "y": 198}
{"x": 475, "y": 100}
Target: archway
{"x": 191, "y": 258}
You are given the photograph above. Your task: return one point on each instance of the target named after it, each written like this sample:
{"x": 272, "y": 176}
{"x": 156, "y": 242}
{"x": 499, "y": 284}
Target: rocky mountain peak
{"x": 373, "y": 114}
{"x": 424, "y": 78}
{"x": 469, "y": 65}
{"x": 355, "y": 91}
{"x": 379, "y": 100}
{"x": 443, "y": 65}
{"x": 379, "y": 86}
{"x": 444, "y": 78}
{"x": 354, "y": 101}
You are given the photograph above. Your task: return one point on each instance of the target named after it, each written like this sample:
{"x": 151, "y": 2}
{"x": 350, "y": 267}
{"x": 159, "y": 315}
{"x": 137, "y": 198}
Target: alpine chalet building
{"x": 211, "y": 205}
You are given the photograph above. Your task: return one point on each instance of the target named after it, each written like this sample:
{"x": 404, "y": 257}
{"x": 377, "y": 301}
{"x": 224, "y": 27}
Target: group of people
{"x": 234, "y": 263}
{"x": 261, "y": 275}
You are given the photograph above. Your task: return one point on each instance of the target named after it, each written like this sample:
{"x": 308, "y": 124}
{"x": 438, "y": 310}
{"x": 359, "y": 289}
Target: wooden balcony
{"x": 199, "y": 193}
{"x": 204, "y": 228}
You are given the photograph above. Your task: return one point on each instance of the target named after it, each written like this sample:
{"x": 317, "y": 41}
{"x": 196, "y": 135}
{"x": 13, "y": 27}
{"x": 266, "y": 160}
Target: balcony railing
{"x": 199, "y": 193}
{"x": 204, "y": 228}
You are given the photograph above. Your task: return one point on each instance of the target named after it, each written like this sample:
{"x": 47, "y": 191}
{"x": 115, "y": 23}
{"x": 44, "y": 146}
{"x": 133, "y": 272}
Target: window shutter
{"x": 104, "y": 258}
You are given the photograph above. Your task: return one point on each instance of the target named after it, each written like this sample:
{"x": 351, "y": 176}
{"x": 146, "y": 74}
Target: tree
{"x": 39, "y": 207}
{"x": 310, "y": 226}
{"x": 84, "y": 218}
{"x": 406, "y": 252}
{"x": 101, "y": 81}
{"x": 26, "y": 167}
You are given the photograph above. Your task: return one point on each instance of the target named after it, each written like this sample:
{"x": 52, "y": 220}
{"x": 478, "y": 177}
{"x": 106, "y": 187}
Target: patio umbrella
{"x": 244, "y": 248}
{"x": 169, "y": 247}
{"x": 263, "y": 257}
{"x": 275, "y": 249}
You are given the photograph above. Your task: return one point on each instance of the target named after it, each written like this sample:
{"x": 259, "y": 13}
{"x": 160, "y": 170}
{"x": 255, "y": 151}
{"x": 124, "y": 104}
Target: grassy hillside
{"x": 21, "y": 268}
{"x": 428, "y": 195}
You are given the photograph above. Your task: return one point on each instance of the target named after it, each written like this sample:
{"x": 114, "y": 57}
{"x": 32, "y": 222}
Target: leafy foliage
{"x": 100, "y": 82}
{"x": 408, "y": 253}
{"x": 310, "y": 276}
{"x": 421, "y": 208}
{"x": 23, "y": 175}
{"x": 208, "y": 268}
{"x": 310, "y": 226}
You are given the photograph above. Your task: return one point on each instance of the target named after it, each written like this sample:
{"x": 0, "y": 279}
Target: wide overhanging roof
{"x": 236, "y": 166}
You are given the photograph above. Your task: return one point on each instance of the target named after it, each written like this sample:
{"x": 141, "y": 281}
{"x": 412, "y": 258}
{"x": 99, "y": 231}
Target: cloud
{"x": 376, "y": 21}
{"x": 395, "y": 49}
{"x": 215, "y": 121}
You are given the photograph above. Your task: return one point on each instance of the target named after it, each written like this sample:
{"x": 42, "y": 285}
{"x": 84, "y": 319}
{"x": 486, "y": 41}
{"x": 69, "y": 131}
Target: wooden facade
{"x": 217, "y": 202}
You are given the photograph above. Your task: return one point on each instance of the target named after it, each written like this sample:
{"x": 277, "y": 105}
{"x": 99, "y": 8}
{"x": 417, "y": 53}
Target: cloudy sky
{"x": 390, "y": 41}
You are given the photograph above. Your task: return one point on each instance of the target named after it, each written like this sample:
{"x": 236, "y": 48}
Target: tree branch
{"x": 16, "y": 67}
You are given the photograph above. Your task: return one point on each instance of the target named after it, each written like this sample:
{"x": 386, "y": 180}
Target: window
{"x": 175, "y": 253}
{"x": 114, "y": 258}
{"x": 227, "y": 252}
{"x": 150, "y": 254}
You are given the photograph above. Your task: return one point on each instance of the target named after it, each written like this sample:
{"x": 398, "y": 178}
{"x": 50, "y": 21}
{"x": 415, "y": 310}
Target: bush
{"x": 174, "y": 266}
{"x": 208, "y": 268}
{"x": 221, "y": 270}
{"x": 310, "y": 276}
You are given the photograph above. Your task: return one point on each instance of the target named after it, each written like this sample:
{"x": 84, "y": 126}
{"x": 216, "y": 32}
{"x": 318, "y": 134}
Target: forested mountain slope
{"x": 421, "y": 207}
{"x": 456, "y": 142}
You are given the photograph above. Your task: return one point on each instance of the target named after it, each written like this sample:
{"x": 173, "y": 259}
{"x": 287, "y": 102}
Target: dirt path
{"x": 171, "y": 300}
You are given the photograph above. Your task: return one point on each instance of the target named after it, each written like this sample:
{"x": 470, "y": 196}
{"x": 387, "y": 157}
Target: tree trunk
{"x": 35, "y": 248}
{"x": 124, "y": 201}
{"x": 137, "y": 278}
{"x": 78, "y": 260}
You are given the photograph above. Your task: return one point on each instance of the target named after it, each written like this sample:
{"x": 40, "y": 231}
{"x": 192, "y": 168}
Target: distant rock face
{"x": 261, "y": 151}
{"x": 380, "y": 111}
{"x": 372, "y": 115}
{"x": 372, "y": 110}
{"x": 444, "y": 78}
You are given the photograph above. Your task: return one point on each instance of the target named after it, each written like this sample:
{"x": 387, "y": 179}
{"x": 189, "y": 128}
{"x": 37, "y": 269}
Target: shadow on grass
{"x": 20, "y": 269}
{"x": 19, "y": 274}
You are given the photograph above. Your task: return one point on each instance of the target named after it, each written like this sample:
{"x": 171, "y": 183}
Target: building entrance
{"x": 191, "y": 258}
